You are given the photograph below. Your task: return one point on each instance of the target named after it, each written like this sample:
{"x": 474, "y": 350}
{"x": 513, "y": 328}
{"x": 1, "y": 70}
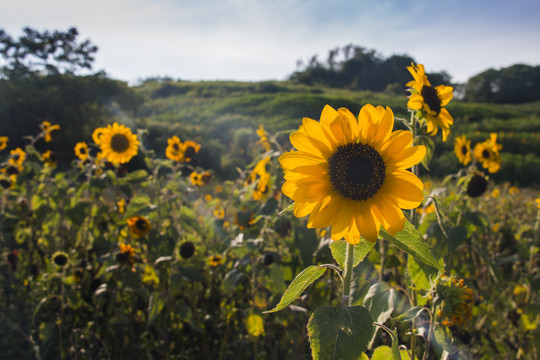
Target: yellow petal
{"x": 301, "y": 209}
{"x": 309, "y": 145}
{"x": 328, "y": 115}
{"x": 404, "y": 187}
{"x": 293, "y": 159}
{"x": 324, "y": 215}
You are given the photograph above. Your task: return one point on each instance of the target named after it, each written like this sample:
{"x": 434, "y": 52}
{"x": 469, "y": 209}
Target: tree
{"x": 44, "y": 53}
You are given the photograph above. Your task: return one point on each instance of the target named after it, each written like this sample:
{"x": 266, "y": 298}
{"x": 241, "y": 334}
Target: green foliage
{"x": 339, "y": 333}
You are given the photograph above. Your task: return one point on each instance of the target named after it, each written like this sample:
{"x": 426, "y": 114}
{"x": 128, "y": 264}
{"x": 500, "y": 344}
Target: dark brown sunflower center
{"x": 12, "y": 170}
{"x": 189, "y": 152}
{"x": 82, "y": 150}
{"x": 476, "y": 186}
{"x": 141, "y": 224}
{"x": 464, "y": 150}
{"x": 485, "y": 154}
{"x": 175, "y": 147}
{"x": 431, "y": 98}
{"x": 119, "y": 143}
{"x": 52, "y": 157}
{"x": 357, "y": 171}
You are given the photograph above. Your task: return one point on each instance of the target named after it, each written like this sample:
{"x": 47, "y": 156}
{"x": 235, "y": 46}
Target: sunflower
{"x": 175, "y": 150}
{"x": 47, "y": 128}
{"x": 17, "y": 157}
{"x": 487, "y": 153}
{"x": 81, "y": 151}
{"x": 215, "y": 260}
{"x": 190, "y": 149}
{"x": 351, "y": 174}
{"x": 118, "y": 144}
{"x": 196, "y": 178}
{"x": 60, "y": 258}
{"x": 50, "y": 158}
{"x": 263, "y": 138}
{"x": 3, "y": 142}
{"x": 462, "y": 149}
{"x": 219, "y": 213}
{"x": 121, "y": 205}
{"x": 477, "y": 185}
{"x": 138, "y": 225}
{"x": 429, "y": 101}
{"x": 96, "y": 135}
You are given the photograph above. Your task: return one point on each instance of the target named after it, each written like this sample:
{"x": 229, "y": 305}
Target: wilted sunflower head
{"x": 352, "y": 174}
{"x": 477, "y": 185}
{"x": 138, "y": 225}
{"x": 60, "y": 258}
{"x": 429, "y": 101}
{"x": 190, "y": 149}
{"x": 50, "y": 158}
{"x": 118, "y": 144}
{"x": 187, "y": 250}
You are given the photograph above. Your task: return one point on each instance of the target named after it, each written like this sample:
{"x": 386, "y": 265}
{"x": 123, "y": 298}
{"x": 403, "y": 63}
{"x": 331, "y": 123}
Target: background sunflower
{"x": 118, "y": 144}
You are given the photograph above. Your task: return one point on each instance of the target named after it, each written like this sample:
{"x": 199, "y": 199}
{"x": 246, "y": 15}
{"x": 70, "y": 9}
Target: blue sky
{"x": 252, "y": 40}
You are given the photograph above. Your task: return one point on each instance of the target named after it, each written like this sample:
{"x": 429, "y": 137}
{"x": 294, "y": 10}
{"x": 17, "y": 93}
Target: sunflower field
{"x": 359, "y": 234}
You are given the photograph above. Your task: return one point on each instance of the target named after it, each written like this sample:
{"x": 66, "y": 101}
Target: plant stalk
{"x": 347, "y": 275}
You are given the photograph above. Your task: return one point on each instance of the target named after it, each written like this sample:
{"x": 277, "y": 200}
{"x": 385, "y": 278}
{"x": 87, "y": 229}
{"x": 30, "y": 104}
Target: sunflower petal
{"x": 405, "y": 188}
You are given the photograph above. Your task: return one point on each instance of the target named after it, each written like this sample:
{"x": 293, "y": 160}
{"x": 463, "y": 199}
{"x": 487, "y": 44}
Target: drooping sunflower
{"x": 462, "y": 149}
{"x": 81, "y": 151}
{"x": 175, "y": 150}
{"x": 50, "y": 158}
{"x": 430, "y": 101}
{"x": 190, "y": 149}
{"x": 118, "y": 144}
{"x": 17, "y": 157}
{"x": 351, "y": 174}
{"x": 139, "y": 226}
{"x": 487, "y": 153}
{"x": 3, "y": 142}
{"x": 47, "y": 128}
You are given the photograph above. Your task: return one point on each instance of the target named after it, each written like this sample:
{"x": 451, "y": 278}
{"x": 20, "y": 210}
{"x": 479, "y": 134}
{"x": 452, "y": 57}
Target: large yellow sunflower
{"x": 351, "y": 174}
{"x": 174, "y": 149}
{"x": 118, "y": 144}
{"x": 430, "y": 101}
{"x": 462, "y": 149}
{"x": 81, "y": 151}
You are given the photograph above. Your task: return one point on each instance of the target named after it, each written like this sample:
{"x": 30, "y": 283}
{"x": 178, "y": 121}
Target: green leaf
{"x": 420, "y": 273}
{"x": 339, "y": 250}
{"x": 339, "y": 333}
{"x": 430, "y": 149}
{"x": 410, "y": 314}
{"x": 298, "y": 285}
{"x": 412, "y": 242}
{"x": 155, "y": 305}
{"x": 380, "y": 300}
{"x": 139, "y": 205}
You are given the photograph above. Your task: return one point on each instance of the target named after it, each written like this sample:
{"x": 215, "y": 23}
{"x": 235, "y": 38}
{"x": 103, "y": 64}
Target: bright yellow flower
{"x": 462, "y": 149}
{"x": 127, "y": 249}
{"x": 96, "y": 135}
{"x": 17, "y": 157}
{"x": 121, "y": 204}
{"x": 47, "y": 129}
{"x": 513, "y": 190}
{"x": 495, "y": 193}
{"x": 215, "y": 260}
{"x": 537, "y": 203}
{"x": 430, "y": 101}
{"x": 487, "y": 153}
{"x": 263, "y": 138}
{"x": 139, "y": 226}
{"x": 175, "y": 149}
{"x": 81, "y": 151}
{"x": 49, "y": 158}
{"x": 196, "y": 178}
{"x": 219, "y": 213}
{"x": 118, "y": 144}
{"x": 351, "y": 174}
{"x": 3, "y": 142}
{"x": 207, "y": 197}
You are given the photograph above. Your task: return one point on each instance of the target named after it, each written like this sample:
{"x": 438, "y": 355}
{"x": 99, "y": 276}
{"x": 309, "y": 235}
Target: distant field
{"x": 220, "y": 113}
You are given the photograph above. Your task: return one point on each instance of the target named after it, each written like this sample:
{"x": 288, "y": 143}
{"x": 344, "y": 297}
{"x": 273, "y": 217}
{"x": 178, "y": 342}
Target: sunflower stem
{"x": 347, "y": 276}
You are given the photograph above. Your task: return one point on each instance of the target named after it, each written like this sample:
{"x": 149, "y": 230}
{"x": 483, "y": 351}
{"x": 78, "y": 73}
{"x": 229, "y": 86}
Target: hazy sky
{"x": 262, "y": 40}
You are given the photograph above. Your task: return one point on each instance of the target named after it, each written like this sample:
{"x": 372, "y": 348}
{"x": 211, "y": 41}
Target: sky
{"x": 256, "y": 40}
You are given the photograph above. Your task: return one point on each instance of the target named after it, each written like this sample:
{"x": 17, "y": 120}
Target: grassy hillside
{"x": 225, "y": 114}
